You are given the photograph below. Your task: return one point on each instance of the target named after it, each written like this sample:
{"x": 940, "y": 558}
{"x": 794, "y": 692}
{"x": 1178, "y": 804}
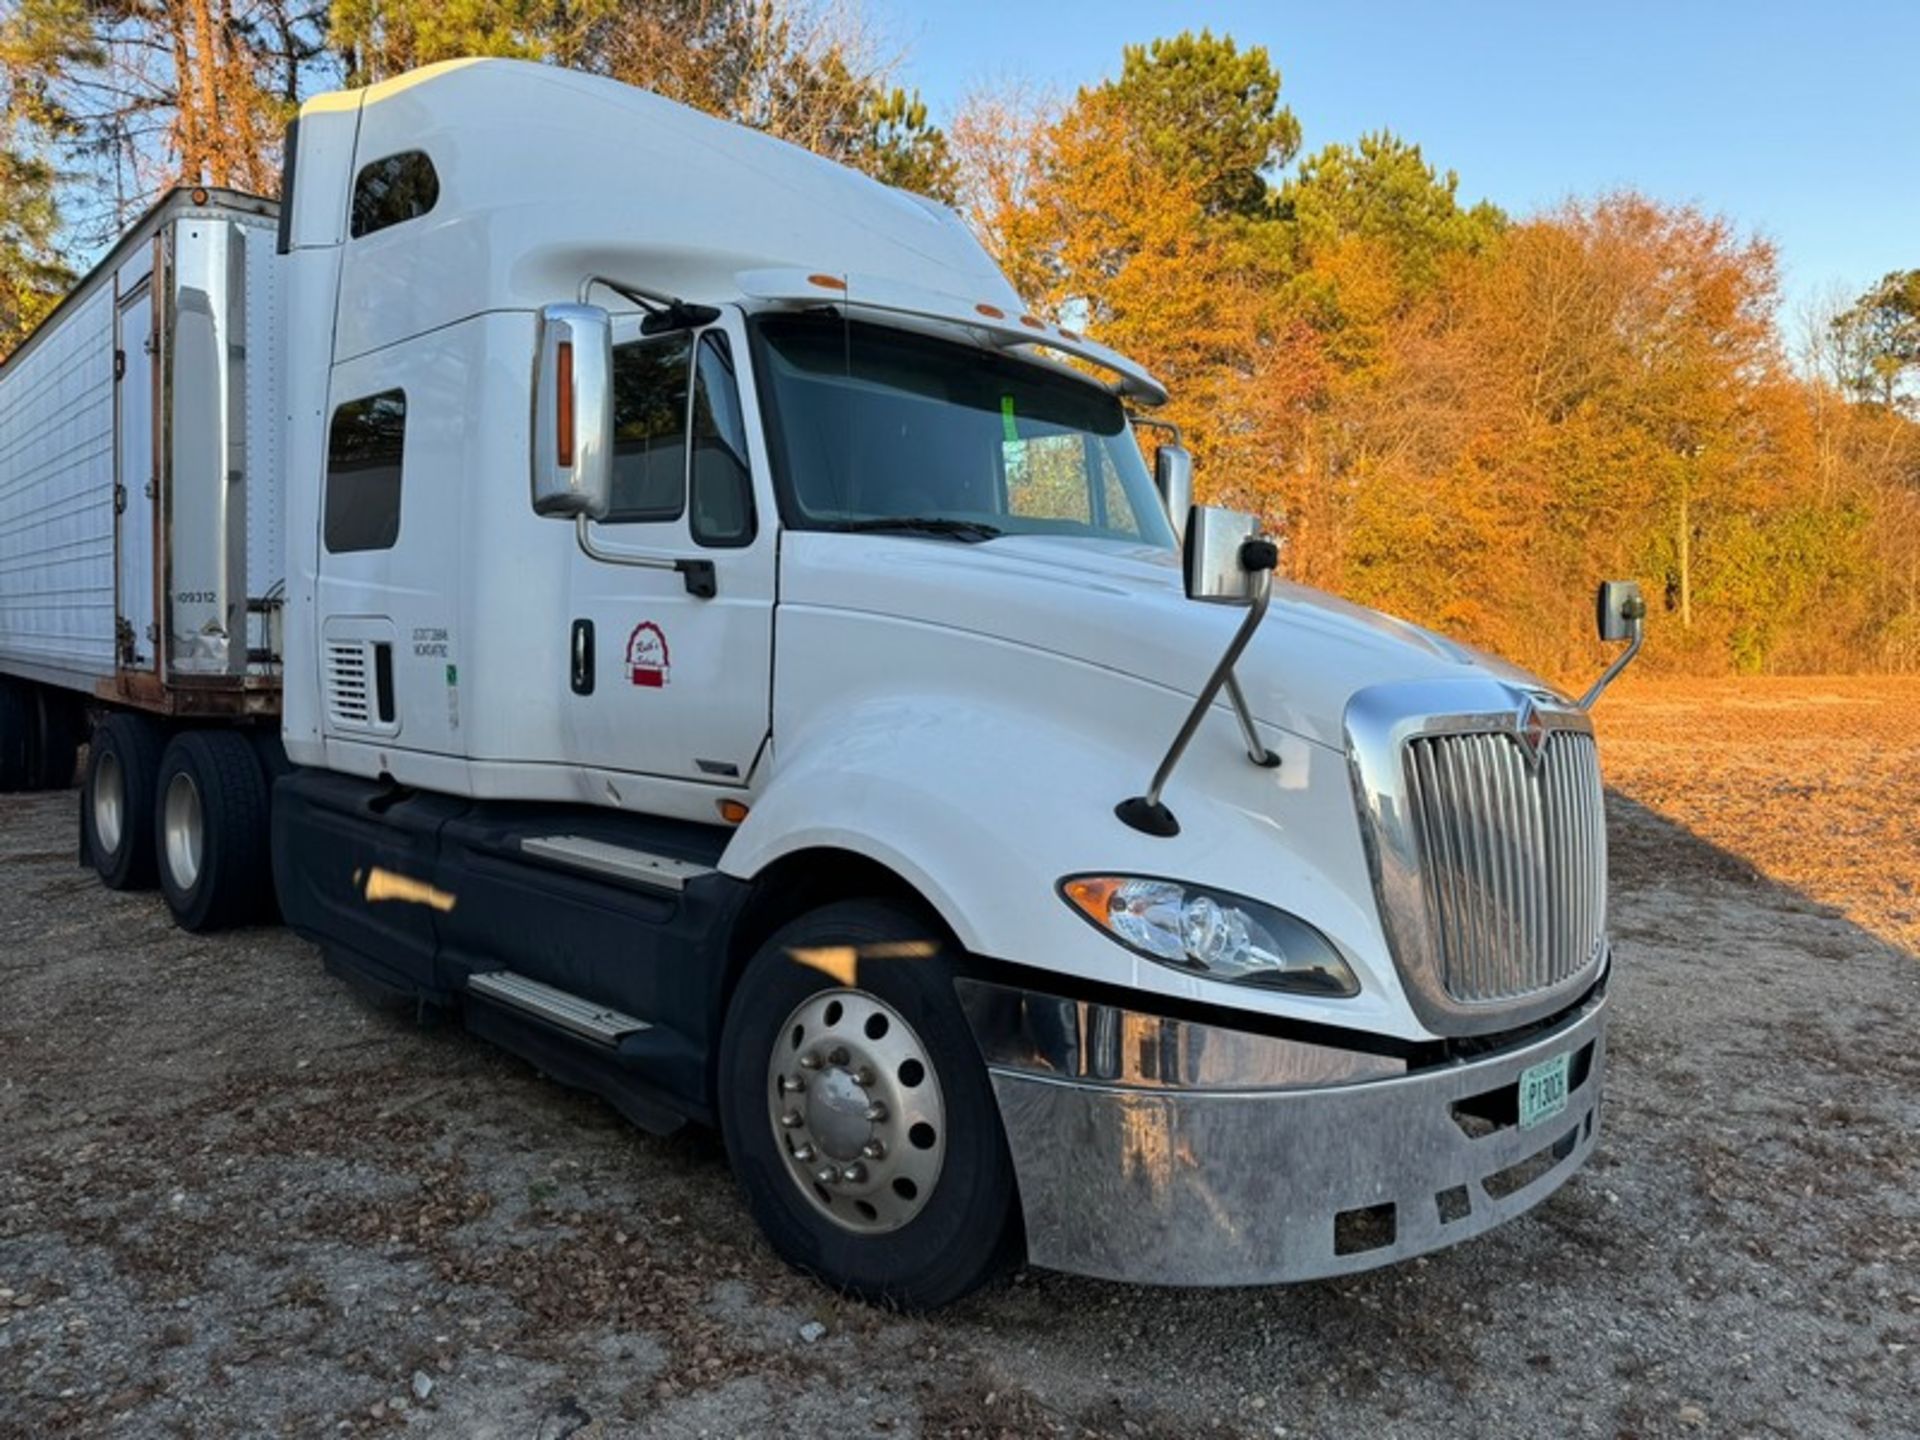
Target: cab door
{"x": 670, "y": 640}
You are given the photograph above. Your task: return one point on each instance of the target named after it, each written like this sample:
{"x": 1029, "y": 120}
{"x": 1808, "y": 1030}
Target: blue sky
{"x": 1800, "y": 122}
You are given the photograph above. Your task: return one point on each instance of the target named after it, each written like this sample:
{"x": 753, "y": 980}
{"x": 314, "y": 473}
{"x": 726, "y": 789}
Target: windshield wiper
{"x": 972, "y": 531}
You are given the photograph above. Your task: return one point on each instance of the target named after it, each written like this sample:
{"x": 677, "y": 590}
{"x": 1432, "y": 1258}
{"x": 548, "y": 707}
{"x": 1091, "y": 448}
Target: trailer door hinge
{"x": 119, "y": 499}
{"x": 152, "y": 489}
{"x": 151, "y": 345}
{"x": 119, "y": 365}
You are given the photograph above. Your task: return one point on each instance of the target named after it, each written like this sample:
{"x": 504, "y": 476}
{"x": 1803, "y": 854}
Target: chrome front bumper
{"x": 1164, "y": 1152}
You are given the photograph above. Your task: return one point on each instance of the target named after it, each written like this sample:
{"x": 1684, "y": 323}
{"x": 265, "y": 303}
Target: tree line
{"x": 1451, "y": 413}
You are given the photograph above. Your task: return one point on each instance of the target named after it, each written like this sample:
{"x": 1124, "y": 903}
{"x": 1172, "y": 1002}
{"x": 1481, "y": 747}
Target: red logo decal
{"x": 647, "y": 659}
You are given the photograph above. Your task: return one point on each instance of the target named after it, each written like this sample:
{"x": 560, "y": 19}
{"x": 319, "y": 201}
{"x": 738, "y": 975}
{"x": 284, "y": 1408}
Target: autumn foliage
{"x": 1454, "y": 415}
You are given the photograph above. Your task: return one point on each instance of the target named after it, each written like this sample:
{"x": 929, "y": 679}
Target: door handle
{"x": 582, "y": 657}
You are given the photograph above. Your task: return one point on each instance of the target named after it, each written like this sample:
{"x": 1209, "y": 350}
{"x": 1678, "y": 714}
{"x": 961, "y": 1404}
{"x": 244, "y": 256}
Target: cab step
{"x": 616, "y": 862}
{"x": 560, "y": 1008}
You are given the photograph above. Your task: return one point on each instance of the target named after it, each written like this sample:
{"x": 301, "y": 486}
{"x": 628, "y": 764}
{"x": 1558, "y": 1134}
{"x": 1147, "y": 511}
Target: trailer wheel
{"x": 116, "y": 805}
{"x": 16, "y": 736}
{"x": 211, "y": 832}
{"x": 857, "y": 1113}
{"x": 58, "y": 740}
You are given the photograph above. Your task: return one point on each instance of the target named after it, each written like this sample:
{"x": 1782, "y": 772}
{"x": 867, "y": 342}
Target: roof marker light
{"x": 992, "y": 312}
{"x": 827, "y": 282}
{"x": 1031, "y": 323}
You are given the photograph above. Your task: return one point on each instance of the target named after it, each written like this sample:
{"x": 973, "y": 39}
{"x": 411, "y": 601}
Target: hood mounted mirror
{"x": 1227, "y": 561}
{"x": 1619, "y": 614}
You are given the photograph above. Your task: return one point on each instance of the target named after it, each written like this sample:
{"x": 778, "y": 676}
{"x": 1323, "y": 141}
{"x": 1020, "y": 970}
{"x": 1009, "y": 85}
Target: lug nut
{"x": 874, "y": 1150}
{"x": 792, "y": 1084}
{"x": 827, "y": 1174}
{"x": 803, "y": 1153}
{"x": 854, "y": 1174}
{"x": 863, "y": 1077}
{"x": 810, "y": 1061}
{"x": 876, "y": 1112}
{"x": 791, "y": 1120}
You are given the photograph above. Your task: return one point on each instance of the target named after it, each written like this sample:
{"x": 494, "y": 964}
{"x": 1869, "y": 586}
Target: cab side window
{"x": 400, "y": 187}
{"x": 678, "y": 431}
{"x": 650, "y": 429}
{"x": 366, "y": 451}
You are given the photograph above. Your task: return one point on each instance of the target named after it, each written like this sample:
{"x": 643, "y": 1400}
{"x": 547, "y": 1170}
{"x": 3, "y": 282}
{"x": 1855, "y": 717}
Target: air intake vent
{"x": 349, "y": 685}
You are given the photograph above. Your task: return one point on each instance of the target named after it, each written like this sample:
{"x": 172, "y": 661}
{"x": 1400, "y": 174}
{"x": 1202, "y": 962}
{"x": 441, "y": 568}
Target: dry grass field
{"x": 1813, "y": 782}
{"x": 236, "y": 1200}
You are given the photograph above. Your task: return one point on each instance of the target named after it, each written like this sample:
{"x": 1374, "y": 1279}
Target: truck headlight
{"x": 1226, "y": 937}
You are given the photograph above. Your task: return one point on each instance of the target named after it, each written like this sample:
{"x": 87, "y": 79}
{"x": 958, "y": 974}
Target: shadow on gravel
{"x": 266, "y": 1207}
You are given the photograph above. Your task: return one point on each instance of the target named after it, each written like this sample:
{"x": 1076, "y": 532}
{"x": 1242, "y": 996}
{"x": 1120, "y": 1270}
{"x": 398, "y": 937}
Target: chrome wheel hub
{"x": 183, "y": 829}
{"x": 109, "y": 801}
{"x": 857, "y": 1110}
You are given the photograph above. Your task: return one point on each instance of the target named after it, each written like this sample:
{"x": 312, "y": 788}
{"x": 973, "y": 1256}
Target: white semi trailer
{"x": 663, "y": 598}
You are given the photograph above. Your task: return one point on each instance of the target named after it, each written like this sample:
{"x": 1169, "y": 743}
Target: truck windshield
{"x": 875, "y": 428}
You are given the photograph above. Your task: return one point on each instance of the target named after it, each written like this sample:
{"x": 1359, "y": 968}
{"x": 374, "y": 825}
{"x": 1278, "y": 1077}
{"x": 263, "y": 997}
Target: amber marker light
{"x": 992, "y": 312}
{"x": 732, "y": 811}
{"x": 827, "y": 282}
{"x": 563, "y": 421}
{"x": 1032, "y": 324}
{"x": 1093, "y": 894}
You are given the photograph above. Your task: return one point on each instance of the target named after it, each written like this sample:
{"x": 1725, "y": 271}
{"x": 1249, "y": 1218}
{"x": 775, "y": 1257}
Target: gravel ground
{"x": 237, "y": 1200}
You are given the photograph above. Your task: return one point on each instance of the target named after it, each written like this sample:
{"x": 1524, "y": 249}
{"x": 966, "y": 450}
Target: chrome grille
{"x": 1514, "y": 859}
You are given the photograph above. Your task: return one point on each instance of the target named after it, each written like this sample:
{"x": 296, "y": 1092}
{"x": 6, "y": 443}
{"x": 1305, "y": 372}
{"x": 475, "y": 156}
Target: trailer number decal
{"x": 647, "y": 659}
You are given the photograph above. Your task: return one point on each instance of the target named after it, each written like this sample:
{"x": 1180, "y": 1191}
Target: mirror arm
{"x": 1258, "y": 753}
{"x": 1145, "y": 813}
{"x": 1620, "y": 662}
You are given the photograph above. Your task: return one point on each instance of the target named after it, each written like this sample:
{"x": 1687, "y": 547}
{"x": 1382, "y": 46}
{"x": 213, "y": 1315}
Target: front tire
{"x": 884, "y": 1171}
{"x": 211, "y": 832}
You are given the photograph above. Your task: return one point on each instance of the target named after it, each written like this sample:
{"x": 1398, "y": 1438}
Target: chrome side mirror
{"x": 1618, "y": 610}
{"x": 1211, "y": 555}
{"x": 1173, "y": 478}
{"x": 1619, "y": 614}
{"x": 573, "y": 413}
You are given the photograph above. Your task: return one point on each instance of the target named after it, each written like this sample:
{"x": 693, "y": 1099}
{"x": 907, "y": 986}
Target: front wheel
{"x": 858, "y": 1115}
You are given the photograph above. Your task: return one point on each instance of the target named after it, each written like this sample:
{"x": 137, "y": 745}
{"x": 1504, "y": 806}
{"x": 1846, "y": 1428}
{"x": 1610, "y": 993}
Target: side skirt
{"x": 590, "y": 943}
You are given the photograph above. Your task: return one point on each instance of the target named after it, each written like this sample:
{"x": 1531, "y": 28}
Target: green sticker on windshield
{"x": 1007, "y": 426}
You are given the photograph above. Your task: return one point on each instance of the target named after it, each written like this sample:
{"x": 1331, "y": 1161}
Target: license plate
{"x": 1543, "y": 1091}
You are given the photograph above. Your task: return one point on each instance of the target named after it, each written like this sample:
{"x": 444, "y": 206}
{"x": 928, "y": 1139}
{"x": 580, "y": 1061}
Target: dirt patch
{"x": 236, "y": 1200}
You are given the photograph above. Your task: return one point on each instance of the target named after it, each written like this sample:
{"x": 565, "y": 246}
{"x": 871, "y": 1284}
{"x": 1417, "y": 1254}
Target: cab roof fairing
{"x": 547, "y": 176}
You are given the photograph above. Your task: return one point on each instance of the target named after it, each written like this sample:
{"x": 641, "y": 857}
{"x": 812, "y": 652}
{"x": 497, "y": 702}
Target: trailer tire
{"x": 116, "y": 804}
{"x": 57, "y": 737}
{"x": 16, "y": 736}
{"x": 211, "y": 831}
{"x": 957, "y": 1225}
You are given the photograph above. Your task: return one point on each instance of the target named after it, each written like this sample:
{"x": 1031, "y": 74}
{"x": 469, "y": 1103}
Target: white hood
{"x": 1123, "y": 608}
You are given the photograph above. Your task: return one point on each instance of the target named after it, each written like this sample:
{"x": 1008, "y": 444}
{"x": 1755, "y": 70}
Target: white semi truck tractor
{"x": 662, "y": 598}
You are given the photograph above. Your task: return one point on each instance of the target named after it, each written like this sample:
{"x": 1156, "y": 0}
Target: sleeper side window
{"x": 722, "y": 484}
{"x": 365, "y": 454}
{"x": 400, "y": 187}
